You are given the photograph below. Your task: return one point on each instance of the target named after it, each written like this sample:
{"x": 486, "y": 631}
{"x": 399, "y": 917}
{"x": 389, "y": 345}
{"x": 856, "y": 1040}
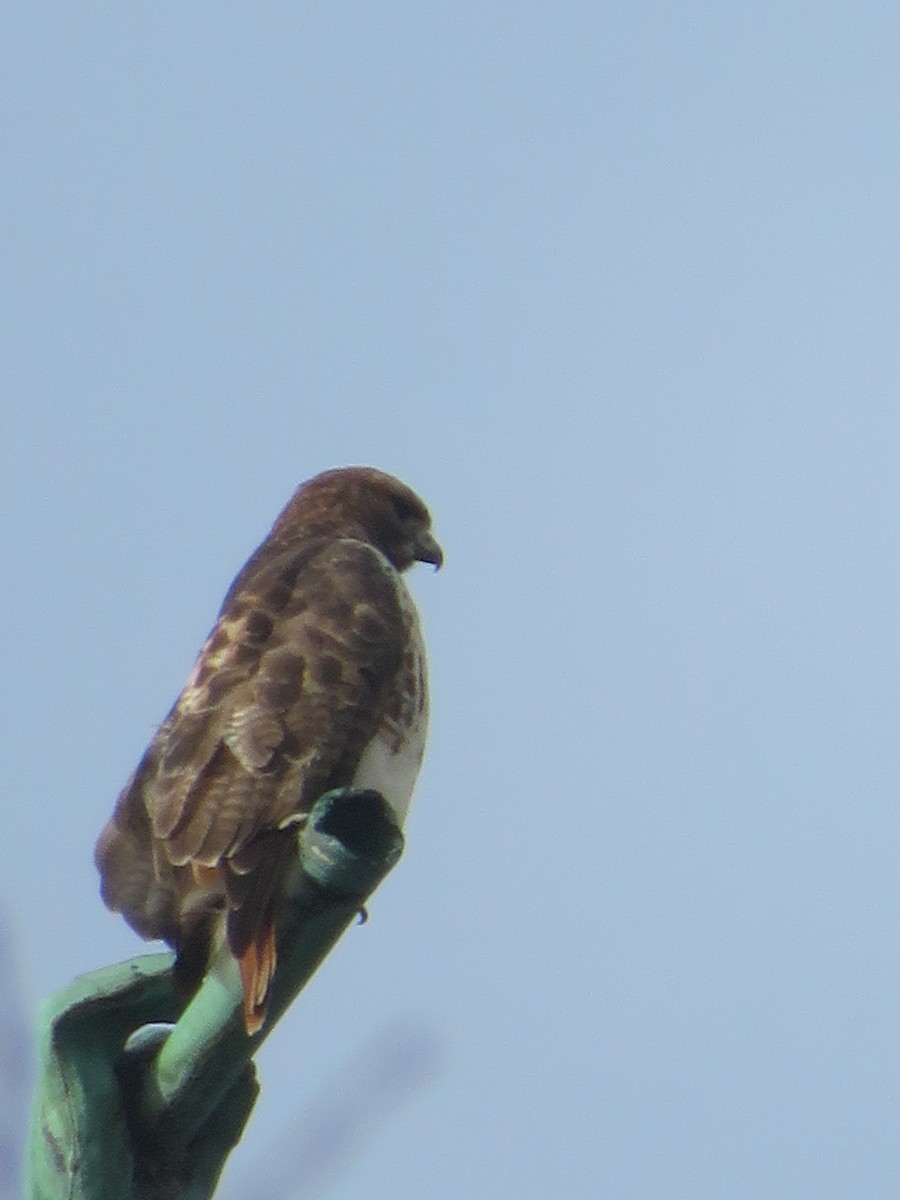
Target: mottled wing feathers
{"x": 312, "y": 678}
{"x": 131, "y": 881}
{"x": 287, "y": 687}
{"x": 290, "y": 686}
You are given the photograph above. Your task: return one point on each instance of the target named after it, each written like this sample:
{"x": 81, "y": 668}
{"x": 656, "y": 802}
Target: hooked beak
{"x": 427, "y": 550}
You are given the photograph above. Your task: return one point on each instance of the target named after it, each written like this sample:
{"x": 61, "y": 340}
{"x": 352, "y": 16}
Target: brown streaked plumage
{"x": 313, "y": 677}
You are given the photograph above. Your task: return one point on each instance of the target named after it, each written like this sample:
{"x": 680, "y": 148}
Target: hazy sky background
{"x": 615, "y": 287}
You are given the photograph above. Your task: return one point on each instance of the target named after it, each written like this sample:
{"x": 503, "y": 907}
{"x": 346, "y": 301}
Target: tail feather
{"x": 257, "y": 966}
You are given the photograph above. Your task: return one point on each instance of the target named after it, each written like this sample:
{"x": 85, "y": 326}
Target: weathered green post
{"x": 139, "y": 1100}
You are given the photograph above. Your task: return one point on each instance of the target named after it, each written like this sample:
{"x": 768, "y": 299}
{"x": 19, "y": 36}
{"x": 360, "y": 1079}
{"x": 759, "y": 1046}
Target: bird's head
{"x": 364, "y": 503}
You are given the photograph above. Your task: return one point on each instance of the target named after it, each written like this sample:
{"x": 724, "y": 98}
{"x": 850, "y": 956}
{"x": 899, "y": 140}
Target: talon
{"x": 362, "y": 916}
{"x": 293, "y": 819}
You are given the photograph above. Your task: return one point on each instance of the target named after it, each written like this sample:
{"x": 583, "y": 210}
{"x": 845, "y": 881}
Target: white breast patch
{"x": 391, "y": 761}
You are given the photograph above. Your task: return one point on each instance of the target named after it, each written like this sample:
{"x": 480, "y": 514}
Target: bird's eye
{"x": 402, "y": 508}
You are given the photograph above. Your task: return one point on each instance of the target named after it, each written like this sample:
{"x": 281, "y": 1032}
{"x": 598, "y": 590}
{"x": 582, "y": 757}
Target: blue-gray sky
{"x": 615, "y": 287}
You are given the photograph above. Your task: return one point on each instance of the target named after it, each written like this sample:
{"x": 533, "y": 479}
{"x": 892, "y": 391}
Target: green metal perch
{"x": 139, "y": 1100}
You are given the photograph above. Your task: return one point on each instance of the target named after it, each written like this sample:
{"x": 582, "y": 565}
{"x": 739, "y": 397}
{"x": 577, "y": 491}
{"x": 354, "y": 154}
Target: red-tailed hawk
{"x": 313, "y": 677}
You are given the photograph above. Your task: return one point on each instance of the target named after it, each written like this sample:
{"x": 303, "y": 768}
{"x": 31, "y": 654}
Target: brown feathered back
{"x": 315, "y": 657}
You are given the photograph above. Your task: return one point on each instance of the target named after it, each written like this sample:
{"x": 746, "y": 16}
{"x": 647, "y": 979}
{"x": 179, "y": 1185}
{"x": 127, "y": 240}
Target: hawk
{"x": 312, "y": 678}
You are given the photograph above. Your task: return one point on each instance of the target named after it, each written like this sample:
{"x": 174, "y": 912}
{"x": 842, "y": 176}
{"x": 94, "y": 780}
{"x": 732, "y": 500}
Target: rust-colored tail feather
{"x": 257, "y": 965}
